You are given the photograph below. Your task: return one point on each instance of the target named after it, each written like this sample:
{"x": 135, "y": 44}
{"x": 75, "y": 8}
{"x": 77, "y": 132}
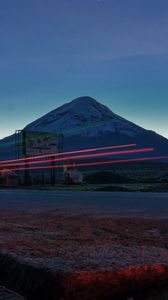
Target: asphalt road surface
{"x": 145, "y": 204}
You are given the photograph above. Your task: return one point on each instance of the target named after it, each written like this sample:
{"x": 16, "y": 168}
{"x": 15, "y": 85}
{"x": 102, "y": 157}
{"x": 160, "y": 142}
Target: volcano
{"x": 86, "y": 117}
{"x": 87, "y": 123}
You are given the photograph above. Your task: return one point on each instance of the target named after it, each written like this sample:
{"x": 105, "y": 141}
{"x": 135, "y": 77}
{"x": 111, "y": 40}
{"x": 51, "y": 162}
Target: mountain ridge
{"x": 84, "y": 111}
{"x": 86, "y": 123}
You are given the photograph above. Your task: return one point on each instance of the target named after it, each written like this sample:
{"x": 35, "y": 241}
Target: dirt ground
{"x": 63, "y": 241}
{"x": 84, "y": 242}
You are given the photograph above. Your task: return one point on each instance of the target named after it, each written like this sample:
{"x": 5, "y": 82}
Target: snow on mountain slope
{"x": 87, "y": 123}
{"x": 84, "y": 116}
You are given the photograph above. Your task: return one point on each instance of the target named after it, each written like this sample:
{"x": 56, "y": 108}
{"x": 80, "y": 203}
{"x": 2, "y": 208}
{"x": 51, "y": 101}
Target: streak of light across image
{"x": 93, "y": 155}
{"x": 109, "y": 162}
{"x": 67, "y": 153}
{"x": 96, "y": 163}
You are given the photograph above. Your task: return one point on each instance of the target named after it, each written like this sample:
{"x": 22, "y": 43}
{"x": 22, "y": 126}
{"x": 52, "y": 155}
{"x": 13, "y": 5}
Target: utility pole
{"x": 27, "y": 172}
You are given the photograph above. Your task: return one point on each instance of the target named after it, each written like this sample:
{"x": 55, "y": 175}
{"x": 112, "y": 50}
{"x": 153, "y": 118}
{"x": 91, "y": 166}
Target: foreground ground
{"x": 85, "y": 242}
{"x": 87, "y": 234}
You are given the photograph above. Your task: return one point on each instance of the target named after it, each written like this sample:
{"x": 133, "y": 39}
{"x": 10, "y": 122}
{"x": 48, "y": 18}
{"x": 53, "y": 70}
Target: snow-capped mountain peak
{"x": 84, "y": 116}
{"x": 86, "y": 123}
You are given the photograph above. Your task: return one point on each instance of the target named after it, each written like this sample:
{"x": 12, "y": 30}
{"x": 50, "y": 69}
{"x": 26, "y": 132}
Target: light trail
{"x": 122, "y": 161}
{"x": 67, "y": 153}
{"x": 109, "y": 162}
{"x": 80, "y": 157}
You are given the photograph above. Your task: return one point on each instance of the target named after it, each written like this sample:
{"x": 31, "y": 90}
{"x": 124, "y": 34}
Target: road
{"x": 145, "y": 204}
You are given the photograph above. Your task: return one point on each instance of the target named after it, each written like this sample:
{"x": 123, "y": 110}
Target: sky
{"x": 53, "y": 51}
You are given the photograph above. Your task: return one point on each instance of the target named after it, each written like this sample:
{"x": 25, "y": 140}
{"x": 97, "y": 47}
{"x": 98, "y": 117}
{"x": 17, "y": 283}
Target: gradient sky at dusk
{"x": 52, "y": 51}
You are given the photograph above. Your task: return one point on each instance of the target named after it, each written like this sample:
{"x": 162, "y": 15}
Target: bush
{"x": 107, "y": 177}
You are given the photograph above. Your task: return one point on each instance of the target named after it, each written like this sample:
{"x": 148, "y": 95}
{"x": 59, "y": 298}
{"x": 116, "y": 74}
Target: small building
{"x": 8, "y": 178}
{"x": 71, "y": 174}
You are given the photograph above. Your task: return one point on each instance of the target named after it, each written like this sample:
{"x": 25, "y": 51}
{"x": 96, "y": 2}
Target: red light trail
{"x": 121, "y": 161}
{"x": 80, "y": 156}
{"x": 109, "y": 162}
{"x": 67, "y": 153}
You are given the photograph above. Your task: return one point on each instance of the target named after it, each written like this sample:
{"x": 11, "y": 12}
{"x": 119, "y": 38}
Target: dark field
{"x": 84, "y": 245}
{"x": 95, "y": 241}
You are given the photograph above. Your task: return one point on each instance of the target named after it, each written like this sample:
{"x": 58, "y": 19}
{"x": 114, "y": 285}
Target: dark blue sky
{"x": 52, "y": 51}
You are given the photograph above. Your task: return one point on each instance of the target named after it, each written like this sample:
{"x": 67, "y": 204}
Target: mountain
{"x": 84, "y": 116}
{"x": 87, "y": 123}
